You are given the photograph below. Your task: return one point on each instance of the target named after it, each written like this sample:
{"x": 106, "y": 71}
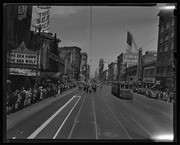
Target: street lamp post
{"x": 39, "y": 46}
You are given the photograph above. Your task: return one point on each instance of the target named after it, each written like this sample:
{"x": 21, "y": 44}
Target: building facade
{"x": 88, "y": 72}
{"x": 104, "y": 77}
{"x": 112, "y": 71}
{"x": 83, "y": 66}
{"x": 149, "y": 73}
{"x": 149, "y": 56}
{"x": 76, "y": 58}
{"x": 101, "y": 68}
{"x": 48, "y": 50}
{"x": 165, "y": 51}
{"x": 125, "y": 60}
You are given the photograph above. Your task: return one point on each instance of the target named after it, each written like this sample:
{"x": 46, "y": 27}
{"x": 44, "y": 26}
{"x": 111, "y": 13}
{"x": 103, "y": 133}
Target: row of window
{"x": 165, "y": 71}
{"x": 166, "y": 36}
{"x": 166, "y": 47}
{"x": 164, "y": 60}
{"x": 167, "y": 26}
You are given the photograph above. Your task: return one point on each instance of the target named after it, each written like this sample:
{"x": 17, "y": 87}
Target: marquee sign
{"x": 23, "y": 58}
{"x": 25, "y": 72}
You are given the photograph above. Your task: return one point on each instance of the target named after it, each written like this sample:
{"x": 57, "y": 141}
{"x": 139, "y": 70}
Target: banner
{"x": 42, "y": 18}
{"x": 22, "y": 12}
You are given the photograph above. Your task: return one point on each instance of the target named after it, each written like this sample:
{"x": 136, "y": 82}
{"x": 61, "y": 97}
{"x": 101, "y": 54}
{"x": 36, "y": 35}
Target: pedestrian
{"x": 23, "y": 97}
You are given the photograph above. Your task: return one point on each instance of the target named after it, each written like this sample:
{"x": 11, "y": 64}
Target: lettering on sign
{"x": 131, "y": 57}
{"x": 23, "y": 58}
{"x": 148, "y": 80}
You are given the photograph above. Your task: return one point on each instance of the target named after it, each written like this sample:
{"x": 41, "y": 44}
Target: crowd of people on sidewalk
{"x": 22, "y": 98}
{"x": 167, "y": 96}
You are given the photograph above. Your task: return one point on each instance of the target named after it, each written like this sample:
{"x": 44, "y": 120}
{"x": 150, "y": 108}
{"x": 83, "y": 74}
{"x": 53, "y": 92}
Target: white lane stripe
{"x": 76, "y": 119}
{"x": 37, "y": 131}
{"x": 117, "y": 119}
{"x": 66, "y": 118}
{"x": 95, "y": 118}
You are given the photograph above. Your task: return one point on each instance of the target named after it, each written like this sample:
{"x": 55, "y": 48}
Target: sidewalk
{"x": 17, "y": 117}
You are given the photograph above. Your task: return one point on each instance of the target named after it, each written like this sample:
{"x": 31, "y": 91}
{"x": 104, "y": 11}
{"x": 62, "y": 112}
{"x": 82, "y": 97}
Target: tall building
{"x": 101, "y": 67}
{"x": 164, "y": 66}
{"x": 112, "y": 71}
{"x": 76, "y": 58}
{"x": 125, "y": 60}
{"x": 83, "y": 66}
{"x": 88, "y": 72}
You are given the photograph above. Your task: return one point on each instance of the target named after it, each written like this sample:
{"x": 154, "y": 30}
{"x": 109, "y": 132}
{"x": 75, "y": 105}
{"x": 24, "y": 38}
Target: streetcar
{"x": 122, "y": 89}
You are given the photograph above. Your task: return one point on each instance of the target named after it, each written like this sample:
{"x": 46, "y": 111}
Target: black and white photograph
{"x": 84, "y": 72}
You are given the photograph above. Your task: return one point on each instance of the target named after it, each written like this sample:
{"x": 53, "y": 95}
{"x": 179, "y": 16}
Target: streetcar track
{"x": 76, "y": 119}
{"x": 117, "y": 119}
{"x": 139, "y": 105}
{"x": 133, "y": 119}
{"x": 95, "y": 118}
{"x": 66, "y": 118}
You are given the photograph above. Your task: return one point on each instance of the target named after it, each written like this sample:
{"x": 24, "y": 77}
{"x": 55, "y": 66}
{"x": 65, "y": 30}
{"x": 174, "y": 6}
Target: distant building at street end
{"x": 101, "y": 68}
{"x": 104, "y": 77}
{"x": 112, "y": 71}
{"x": 76, "y": 58}
{"x": 166, "y": 49}
{"x": 88, "y": 71}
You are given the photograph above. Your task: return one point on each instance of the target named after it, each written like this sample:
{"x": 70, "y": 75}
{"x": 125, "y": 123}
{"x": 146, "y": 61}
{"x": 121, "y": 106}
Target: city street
{"x": 100, "y": 115}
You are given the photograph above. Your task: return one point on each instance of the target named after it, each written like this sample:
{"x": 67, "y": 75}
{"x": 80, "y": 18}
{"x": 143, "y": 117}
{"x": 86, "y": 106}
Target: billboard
{"x": 131, "y": 57}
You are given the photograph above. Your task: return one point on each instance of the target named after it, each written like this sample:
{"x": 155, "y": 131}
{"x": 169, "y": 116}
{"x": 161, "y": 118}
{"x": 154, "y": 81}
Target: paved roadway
{"x": 99, "y": 115}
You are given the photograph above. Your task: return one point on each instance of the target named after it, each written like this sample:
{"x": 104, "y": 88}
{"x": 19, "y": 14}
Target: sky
{"x": 109, "y": 29}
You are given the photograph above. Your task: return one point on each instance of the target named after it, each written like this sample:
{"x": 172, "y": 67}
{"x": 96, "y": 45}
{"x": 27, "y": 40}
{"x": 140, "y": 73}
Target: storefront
{"x": 22, "y": 66}
{"x": 149, "y": 82}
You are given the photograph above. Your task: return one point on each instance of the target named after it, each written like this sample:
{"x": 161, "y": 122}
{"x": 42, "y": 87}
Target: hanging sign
{"x": 22, "y": 12}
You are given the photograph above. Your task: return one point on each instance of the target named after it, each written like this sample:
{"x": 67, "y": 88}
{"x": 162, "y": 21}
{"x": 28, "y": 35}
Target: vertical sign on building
{"x": 42, "y": 17}
{"x": 139, "y": 66}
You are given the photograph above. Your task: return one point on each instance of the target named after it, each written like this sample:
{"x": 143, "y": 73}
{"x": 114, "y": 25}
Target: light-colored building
{"x": 125, "y": 60}
{"x": 75, "y": 60}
